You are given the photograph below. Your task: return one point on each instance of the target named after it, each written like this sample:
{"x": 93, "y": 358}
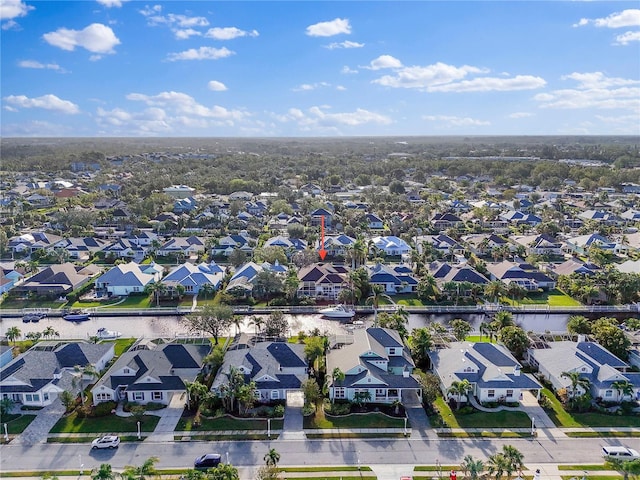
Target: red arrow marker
{"x": 322, "y": 251}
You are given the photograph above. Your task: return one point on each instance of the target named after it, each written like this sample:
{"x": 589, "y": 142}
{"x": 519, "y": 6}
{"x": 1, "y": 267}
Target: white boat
{"x": 105, "y": 334}
{"x": 338, "y": 311}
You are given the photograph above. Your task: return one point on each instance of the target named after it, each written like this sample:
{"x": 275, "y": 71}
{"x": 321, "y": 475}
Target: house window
{"x": 392, "y": 351}
{"x": 275, "y": 394}
{"x": 608, "y": 393}
{"x": 256, "y": 394}
{"x": 509, "y": 393}
{"x": 45, "y": 397}
{"x": 138, "y": 395}
{"x": 103, "y": 397}
{"x": 381, "y": 393}
{"x": 32, "y": 398}
{"x": 156, "y": 396}
{"x": 125, "y": 371}
{"x": 339, "y": 392}
{"x": 491, "y": 393}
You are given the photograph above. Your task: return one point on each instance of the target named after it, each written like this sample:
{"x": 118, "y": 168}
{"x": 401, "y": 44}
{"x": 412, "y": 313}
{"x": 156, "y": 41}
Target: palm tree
{"x": 257, "y": 322}
{"x": 576, "y": 382}
{"x": 494, "y": 290}
{"x": 497, "y": 465}
{"x": 623, "y": 387}
{"x": 421, "y": 343}
{"x": 13, "y": 334}
{"x": 272, "y": 458}
{"x": 50, "y": 332}
{"x": 103, "y": 472}
{"x": 224, "y": 471}
{"x": 207, "y": 289}
{"x": 471, "y": 467}
{"x": 484, "y": 329}
{"x": 157, "y": 289}
{"x": 337, "y": 376}
{"x": 145, "y": 470}
{"x": 503, "y": 319}
{"x": 377, "y": 292}
{"x": 459, "y": 389}
{"x": 514, "y": 459}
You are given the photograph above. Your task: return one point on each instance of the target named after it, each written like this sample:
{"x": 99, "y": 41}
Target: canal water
{"x": 172, "y": 326}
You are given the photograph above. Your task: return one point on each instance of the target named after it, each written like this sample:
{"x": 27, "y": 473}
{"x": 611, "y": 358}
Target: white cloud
{"x": 318, "y": 116}
{"x": 348, "y": 71}
{"x": 311, "y": 86}
{"x": 229, "y": 33}
{"x": 185, "y": 33}
{"x": 217, "y": 86}
{"x": 626, "y": 18}
{"x": 184, "y": 104}
{"x": 627, "y": 37}
{"x": 111, "y": 3}
{"x": 202, "y": 53}
{"x": 329, "y": 29}
{"x": 147, "y": 11}
{"x": 38, "y": 65}
{"x": 10, "y": 9}
{"x": 426, "y": 77}
{"x": 341, "y": 88}
{"x": 487, "y": 84}
{"x": 384, "y": 61}
{"x": 47, "y": 102}
{"x": 453, "y": 121}
{"x": 520, "y": 115}
{"x": 96, "y": 38}
{"x": 594, "y": 90}
{"x": 172, "y": 19}
{"x": 345, "y": 44}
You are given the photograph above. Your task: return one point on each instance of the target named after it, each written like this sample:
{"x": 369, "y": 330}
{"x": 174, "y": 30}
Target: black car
{"x": 208, "y": 460}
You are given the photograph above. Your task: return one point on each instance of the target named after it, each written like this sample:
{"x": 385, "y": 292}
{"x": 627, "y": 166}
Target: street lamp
{"x": 6, "y": 434}
{"x": 81, "y": 464}
{"x": 227, "y": 458}
{"x": 405, "y": 426}
{"x": 533, "y": 426}
{"x": 269, "y": 428}
{"x": 138, "y": 422}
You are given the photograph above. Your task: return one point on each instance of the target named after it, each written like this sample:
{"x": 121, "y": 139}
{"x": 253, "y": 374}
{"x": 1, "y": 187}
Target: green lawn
{"x": 562, "y": 418}
{"x": 502, "y": 419}
{"x": 369, "y": 420}
{"x": 107, "y": 424}
{"x": 31, "y": 303}
{"x": 553, "y": 298}
{"x": 185, "y": 424}
{"x": 17, "y": 425}
{"x": 121, "y": 345}
{"x": 136, "y": 301}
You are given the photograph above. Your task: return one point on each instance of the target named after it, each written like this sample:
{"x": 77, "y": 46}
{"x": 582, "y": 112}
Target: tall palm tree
{"x": 50, "y": 332}
{"x": 503, "y": 319}
{"x": 623, "y": 387}
{"x": 471, "y": 467}
{"x": 257, "y": 322}
{"x": 272, "y": 458}
{"x": 13, "y": 334}
{"x": 144, "y": 471}
{"x": 458, "y": 389}
{"x": 497, "y": 465}
{"x": 337, "y": 376}
{"x": 207, "y": 289}
{"x": 494, "y": 290}
{"x": 103, "y": 472}
{"x": 420, "y": 343}
{"x": 377, "y": 292}
{"x": 577, "y": 382}
{"x": 514, "y": 459}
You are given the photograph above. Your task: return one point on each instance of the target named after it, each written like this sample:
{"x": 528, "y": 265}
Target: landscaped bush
{"x": 151, "y": 406}
{"x": 278, "y": 411}
{"x": 466, "y": 410}
{"x": 308, "y": 410}
{"x": 103, "y": 409}
{"x": 338, "y": 408}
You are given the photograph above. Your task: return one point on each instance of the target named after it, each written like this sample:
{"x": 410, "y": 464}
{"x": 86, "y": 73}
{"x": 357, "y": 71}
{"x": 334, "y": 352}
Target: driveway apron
{"x": 37, "y": 431}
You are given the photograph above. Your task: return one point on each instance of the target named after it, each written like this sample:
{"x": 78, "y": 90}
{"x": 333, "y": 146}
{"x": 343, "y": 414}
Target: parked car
{"x": 208, "y": 460}
{"x": 108, "y": 441}
{"x": 623, "y": 453}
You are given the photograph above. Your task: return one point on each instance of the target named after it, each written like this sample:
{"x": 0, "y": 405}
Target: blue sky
{"x": 311, "y": 68}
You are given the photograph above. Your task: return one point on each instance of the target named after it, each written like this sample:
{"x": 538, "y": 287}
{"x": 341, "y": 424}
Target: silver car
{"x": 108, "y": 441}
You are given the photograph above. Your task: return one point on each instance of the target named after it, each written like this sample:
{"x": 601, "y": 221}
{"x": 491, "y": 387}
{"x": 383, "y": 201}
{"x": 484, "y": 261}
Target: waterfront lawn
{"x": 553, "y": 298}
{"x": 226, "y": 422}
{"x": 368, "y": 420}
{"x": 18, "y": 303}
{"x": 107, "y": 424}
{"x": 18, "y": 423}
{"x": 136, "y": 301}
{"x": 121, "y": 345}
{"x": 504, "y": 419}
{"x": 562, "y": 418}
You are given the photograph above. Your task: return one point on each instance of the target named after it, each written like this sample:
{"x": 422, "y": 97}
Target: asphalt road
{"x": 304, "y": 452}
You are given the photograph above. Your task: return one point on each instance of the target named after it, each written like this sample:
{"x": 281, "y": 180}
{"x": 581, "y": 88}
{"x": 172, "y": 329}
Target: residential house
{"x": 184, "y": 205}
{"x": 391, "y": 245}
{"x": 194, "y": 277}
{"x": 543, "y": 244}
{"x": 38, "y": 376}
{"x": 592, "y": 361}
{"x": 575, "y": 265}
{"x": 600, "y": 216}
{"x": 338, "y": 245}
{"x": 226, "y": 245}
{"x": 321, "y": 213}
{"x": 322, "y": 281}
{"x": 242, "y": 280}
{"x": 179, "y": 191}
{"x": 276, "y": 367}
{"x": 182, "y": 247}
{"x": 377, "y": 363}
{"x": 58, "y": 280}
{"x": 483, "y": 244}
{"x": 151, "y": 372}
{"x": 445, "y": 221}
{"x": 6, "y": 354}
{"x": 82, "y": 248}
{"x": 517, "y": 217}
{"x": 240, "y": 195}
{"x": 581, "y": 244}
{"x": 31, "y": 242}
{"x": 9, "y": 277}
{"x": 524, "y": 274}
{"x": 494, "y": 374}
{"x": 288, "y": 244}
{"x": 125, "y": 248}
{"x": 128, "y": 278}
{"x": 443, "y": 244}
{"x": 394, "y": 279}
{"x": 445, "y": 272}
{"x": 374, "y": 222}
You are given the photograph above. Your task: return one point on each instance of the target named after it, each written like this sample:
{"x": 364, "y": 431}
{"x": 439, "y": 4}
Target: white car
{"x": 623, "y": 453}
{"x": 108, "y": 441}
